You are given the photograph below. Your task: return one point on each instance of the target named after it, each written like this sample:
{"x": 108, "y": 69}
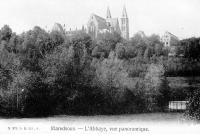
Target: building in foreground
{"x": 97, "y": 25}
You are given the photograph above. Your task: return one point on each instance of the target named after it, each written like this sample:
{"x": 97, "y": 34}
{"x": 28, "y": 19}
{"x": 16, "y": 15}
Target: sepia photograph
{"x": 99, "y": 67}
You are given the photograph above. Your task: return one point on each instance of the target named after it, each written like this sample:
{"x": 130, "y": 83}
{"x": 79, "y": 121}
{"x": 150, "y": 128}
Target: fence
{"x": 177, "y": 105}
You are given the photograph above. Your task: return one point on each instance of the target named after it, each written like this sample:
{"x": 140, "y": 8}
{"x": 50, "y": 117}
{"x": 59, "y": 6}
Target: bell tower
{"x": 108, "y": 15}
{"x": 124, "y": 24}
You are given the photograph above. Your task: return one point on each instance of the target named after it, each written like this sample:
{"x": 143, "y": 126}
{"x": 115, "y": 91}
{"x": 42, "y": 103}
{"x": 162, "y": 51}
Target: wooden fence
{"x": 177, "y": 105}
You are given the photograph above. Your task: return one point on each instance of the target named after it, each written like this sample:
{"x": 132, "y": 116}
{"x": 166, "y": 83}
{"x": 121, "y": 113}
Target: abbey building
{"x": 97, "y": 25}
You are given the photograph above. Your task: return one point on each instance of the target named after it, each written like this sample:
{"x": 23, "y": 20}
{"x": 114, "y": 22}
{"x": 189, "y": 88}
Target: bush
{"x": 39, "y": 100}
{"x": 157, "y": 88}
{"x": 120, "y": 51}
{"x": 193, "y": 107}
{"x": 48, "y": 73}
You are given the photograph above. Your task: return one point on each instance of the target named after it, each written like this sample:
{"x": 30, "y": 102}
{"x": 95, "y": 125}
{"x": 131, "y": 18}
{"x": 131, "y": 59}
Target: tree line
{"x": 45, "y": 73}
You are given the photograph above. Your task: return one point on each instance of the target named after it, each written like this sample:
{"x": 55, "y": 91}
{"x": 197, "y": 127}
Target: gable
{"x": 98, "y": 21}
{"x": 114, "y": 23}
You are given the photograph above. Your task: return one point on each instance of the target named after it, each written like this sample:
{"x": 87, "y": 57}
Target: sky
{"x": 180, "y": 17}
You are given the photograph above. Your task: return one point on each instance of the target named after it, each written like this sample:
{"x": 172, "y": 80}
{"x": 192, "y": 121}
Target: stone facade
{"x": 97, "y": 25}
{"x": 169, "y": 39}
{"x": 59, "y": 28}
{"x": 170, "y": 42}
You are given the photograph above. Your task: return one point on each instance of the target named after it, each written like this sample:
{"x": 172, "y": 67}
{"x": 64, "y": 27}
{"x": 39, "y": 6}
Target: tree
{"x": 158, "y": 49}
{"x": 120, "y": 51}
{"x": 156, "y": 88}
{"x": 57, "y": 37}
{"x": 9, "y": 66}
{"x": 130, "y": 51}
{"x": 193, "y": 107}
{"x": 140, "y": 43}
{"x": 147, "y": 54}
{"x": 36, "y": 43}
{"x": 139, "y": 39}
{"x": 108, "y": 41}
{"x": 97, "y": 52}
{"x": 5, "y": 33}
{"x": 154, "y": 39}
{"x": 67, "y": 73}
{"x": 189, "y": 48}
{"x": 14, "y": 44}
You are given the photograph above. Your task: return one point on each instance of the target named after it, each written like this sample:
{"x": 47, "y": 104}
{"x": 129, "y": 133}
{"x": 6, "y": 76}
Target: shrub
{"x": 38, "y": 100}
{"x": 193, "y": 107}
{"x": 157, "y": 88}
{"x": 120, "y": 51}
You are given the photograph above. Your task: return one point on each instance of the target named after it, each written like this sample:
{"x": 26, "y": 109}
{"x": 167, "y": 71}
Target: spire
{"x": 124, "y": 13}
{"x": 108, "y": 13}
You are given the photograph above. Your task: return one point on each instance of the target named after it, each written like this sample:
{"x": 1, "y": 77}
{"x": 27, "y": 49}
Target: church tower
{"x": 108, "y": 18}
{"x": 108, "y": 15}
{"x": 124, "y": 24}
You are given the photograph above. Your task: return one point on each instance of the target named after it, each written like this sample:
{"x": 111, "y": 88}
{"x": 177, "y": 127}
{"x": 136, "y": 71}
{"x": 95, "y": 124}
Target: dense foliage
{"x": 44, "y": 73}
{"x": 193, "y": 107}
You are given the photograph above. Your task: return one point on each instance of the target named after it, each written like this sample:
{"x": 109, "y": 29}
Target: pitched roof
{"x": 114, "y": 22}
{"x": 99, "y": 18}
{"x": 171, "y": 34}
{"x": 101, "y": 21}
